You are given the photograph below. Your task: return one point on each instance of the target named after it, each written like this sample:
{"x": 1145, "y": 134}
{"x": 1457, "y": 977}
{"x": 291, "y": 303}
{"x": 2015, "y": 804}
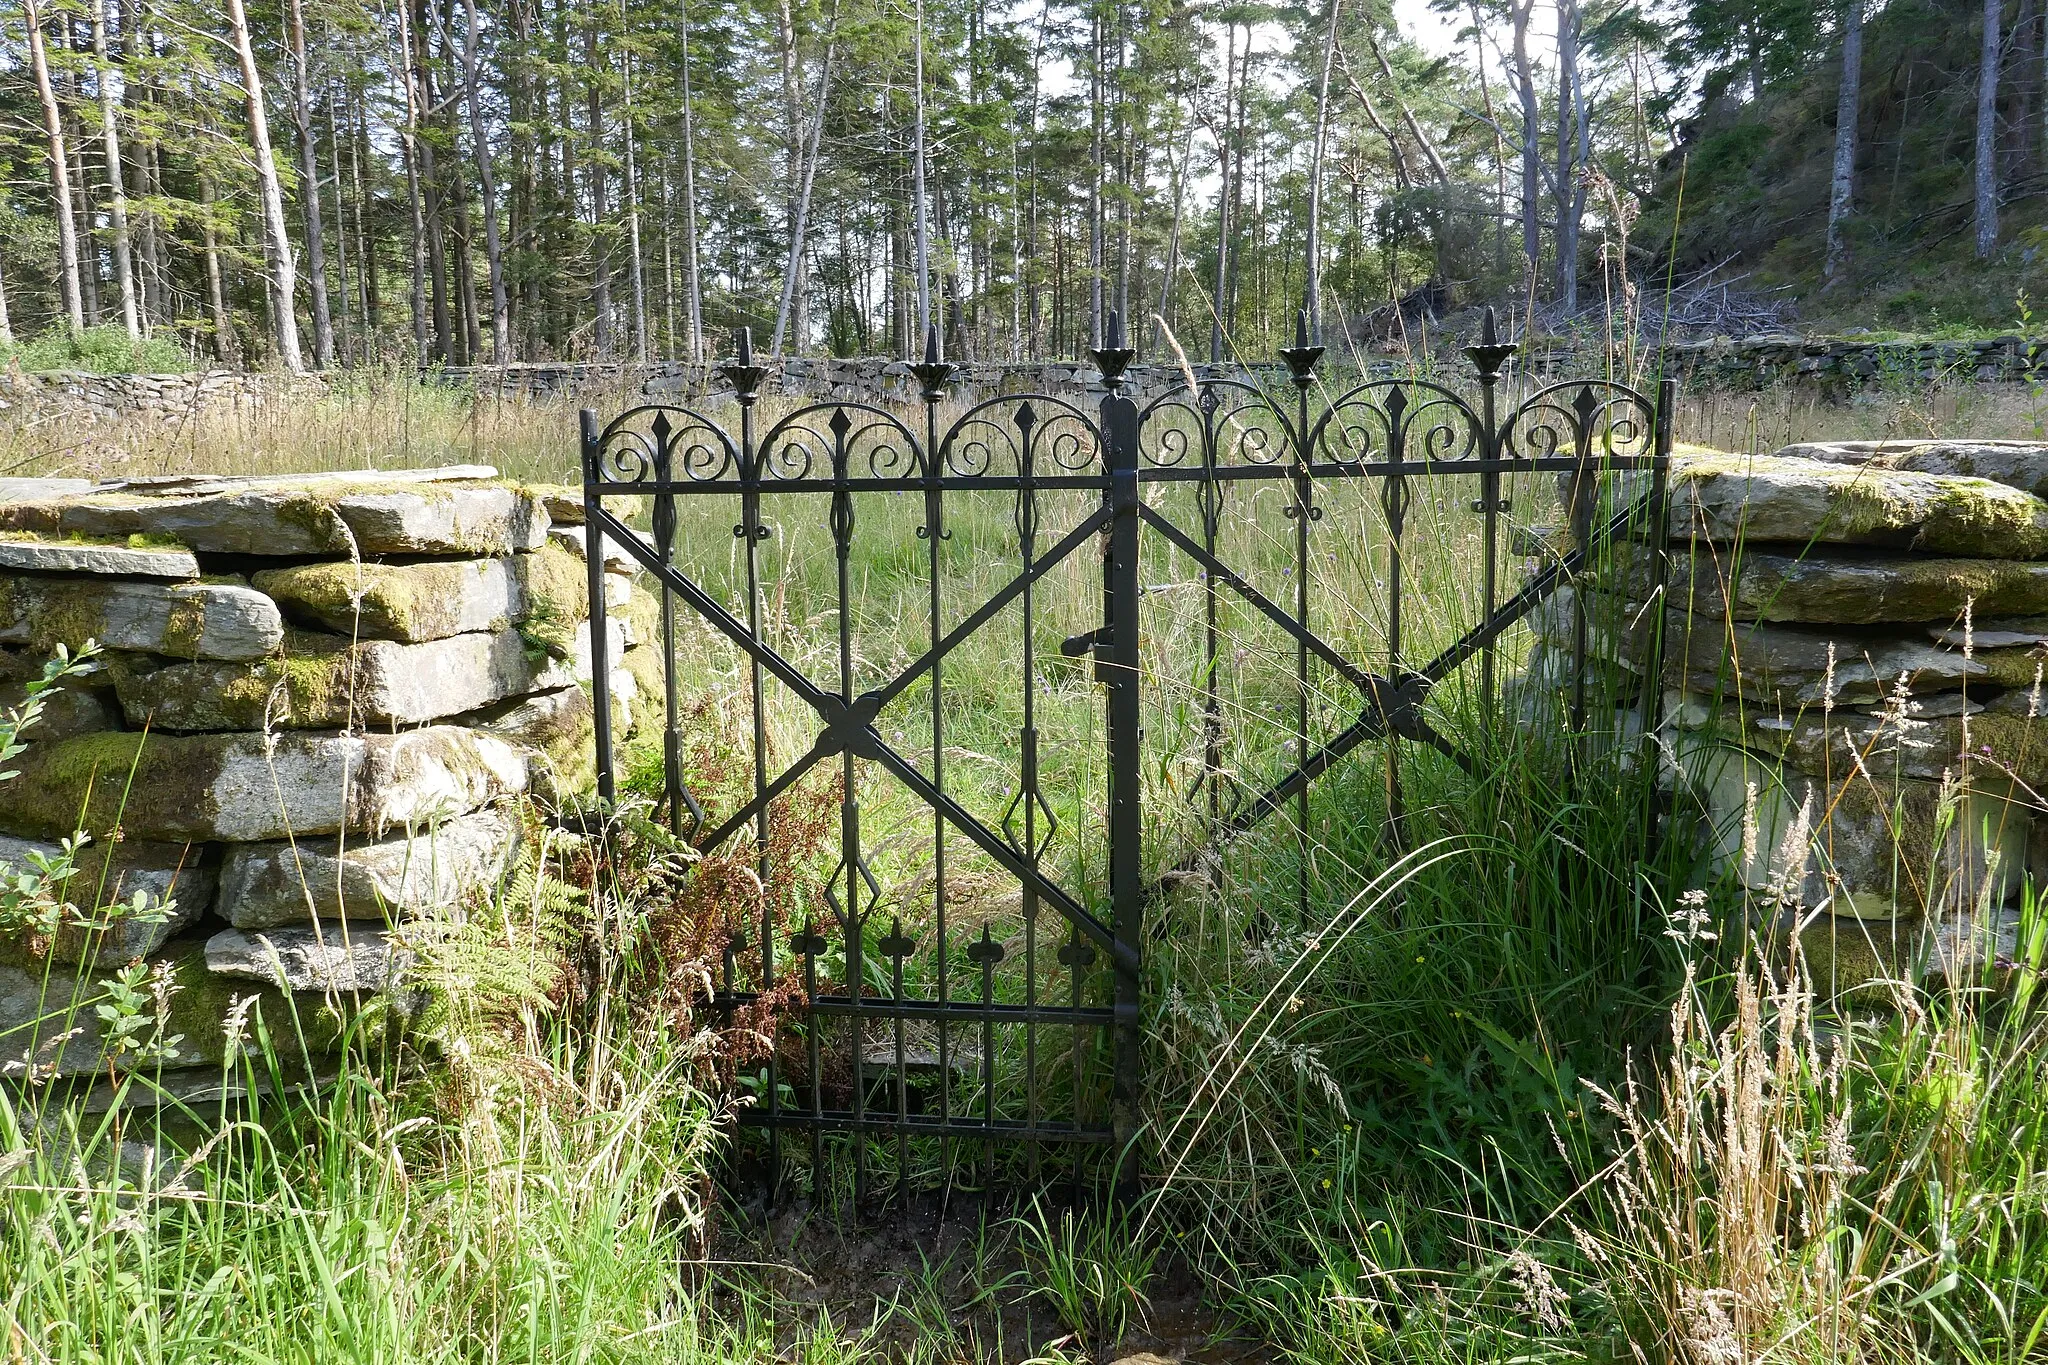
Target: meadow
{"x": 1527, "y": 1085}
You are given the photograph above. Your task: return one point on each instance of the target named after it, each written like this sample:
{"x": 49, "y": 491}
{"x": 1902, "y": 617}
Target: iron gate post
{"x": 593, "y": 562}
{"x": 1121, "y": 593}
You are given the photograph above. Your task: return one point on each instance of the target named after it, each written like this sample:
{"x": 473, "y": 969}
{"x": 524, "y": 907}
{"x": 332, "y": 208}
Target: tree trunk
{"x": 1312, "y": 275}
{"x": 692, "y": 282}
{"x": 1437, "y": 169}
{"x": 1848, "y": 102}
{"x": 309, "y": 189}
{"x": 1520, "y": 12}
{"x": 799, "y": 226}
{"x": 1987, "y": 131}
{"x": 638, "y": 275}
{"x": 429, "y": 172}
{"x": 60, "y": 170}
{"x": 117, "y": 200}
{"x": 1569, "y": 198}
{"x": 1224, "y": 192}
{"x": 1500, "y": 154}
{"x": 600, "y": 205}
{"x": 920, "y": 210}
{"x": 283, "y": 273}
{"x": 224, "y": 348}
{"x": 1095, "y": 177}
{"x": 1403, "y": 178}
{"x": 487, "y": 185}
{"x": 6, "y": 323}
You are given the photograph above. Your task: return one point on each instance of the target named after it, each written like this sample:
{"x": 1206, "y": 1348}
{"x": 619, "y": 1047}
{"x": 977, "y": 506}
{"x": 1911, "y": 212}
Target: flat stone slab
{"x": 80, "y": 705}
{"x": 163, "y": 485}
{"x": 113, "y": 559}
{"x": 335, "y": 958}
{"x": 576, "y": 539}
{"x": 322, "y": 683}
{"x": 410, "y": 602}
{"x": 49, "y": 1026}
{"x": 2017, "y": 464}
{"x": 1780, "y": 666}
{"x": 1726, "y": 498}
{"x": 320, "y": 515}
{"x": 174, "y": 878}
{"x": 268, "y": 885}
{"x": 185, "y": 620}
{"x": 242, "y": 788}
{"x": 1846, "y": 589}
{"x": 1857, "y": 845}
{"x": 557, "y": 730}
{"x": 564, "y": 502}
{"x": 1926, "y": 748}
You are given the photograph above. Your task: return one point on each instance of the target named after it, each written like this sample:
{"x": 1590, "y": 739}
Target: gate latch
{"x": 1098, "y": 640}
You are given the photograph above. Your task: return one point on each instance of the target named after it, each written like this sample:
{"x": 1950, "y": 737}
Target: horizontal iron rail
{"x": 1279, "y": 468}
{"x": 940, "y": 1011}
{"x": 920, "y": 1125}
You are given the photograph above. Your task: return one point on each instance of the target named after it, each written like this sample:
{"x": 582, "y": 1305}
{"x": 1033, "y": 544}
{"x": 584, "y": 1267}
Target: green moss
{"x": 1979, "y": 517}
{"x": 184, "y": 627}
{"x": 49, "y": 796}
{"x": 150, "y": 540}
{"x": 555, "y": 584}
{"x": 58, "y": 612}
{"x": 327, "y": 593}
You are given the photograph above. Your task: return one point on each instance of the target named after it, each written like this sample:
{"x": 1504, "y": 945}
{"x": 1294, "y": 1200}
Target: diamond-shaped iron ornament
{"x": 838, "y": 902}
{"x": 1046, "y": 823}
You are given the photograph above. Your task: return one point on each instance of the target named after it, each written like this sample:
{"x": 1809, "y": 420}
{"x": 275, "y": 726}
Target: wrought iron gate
{"x": 941, "y": 1030}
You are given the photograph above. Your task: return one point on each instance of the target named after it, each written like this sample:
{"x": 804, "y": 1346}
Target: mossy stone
{"x": 429, "y": 600}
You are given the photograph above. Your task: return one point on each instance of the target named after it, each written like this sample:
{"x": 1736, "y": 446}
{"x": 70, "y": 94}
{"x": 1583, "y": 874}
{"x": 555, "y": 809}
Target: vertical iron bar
{"x": 745, "y": 377}
{"x": 1657, "y": 610}
{"x": 1301, "y": 367}
{"x": 593, "y": 557}
{"x": 1126, "y": 827}
{"x": 1487, "y": 357}
{"x": 1581, "y": 508}
{"x": 1209, "y": 498}
{"x": 934, "y": 372}
{"x": 850, "y": 914}
{"x": 902, "y": 1075}
{"x": 1028, "y": 792}
{"x": 664, "y": 526}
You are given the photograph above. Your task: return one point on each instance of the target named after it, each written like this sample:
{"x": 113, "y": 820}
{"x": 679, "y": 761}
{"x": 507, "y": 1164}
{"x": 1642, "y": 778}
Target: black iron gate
{"x": 941, "y": 1030}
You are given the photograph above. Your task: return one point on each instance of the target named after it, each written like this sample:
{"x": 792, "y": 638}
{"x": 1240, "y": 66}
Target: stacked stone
{"x": 317, "y": 703}
{"x": 1852, "y": 686}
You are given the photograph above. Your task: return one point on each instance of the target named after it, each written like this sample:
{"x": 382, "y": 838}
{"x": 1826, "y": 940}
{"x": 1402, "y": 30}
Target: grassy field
{"x": 1512, "y": 1096}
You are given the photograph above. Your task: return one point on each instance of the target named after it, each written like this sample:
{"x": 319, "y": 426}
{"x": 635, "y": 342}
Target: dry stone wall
{"x": 316, "y": 707}
{"x": 1851, "y": 696}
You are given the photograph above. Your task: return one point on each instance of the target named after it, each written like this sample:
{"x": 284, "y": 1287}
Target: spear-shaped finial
{"x": 1116, "y": 329}
{"x": 746, "y": 345}
{"x": 1489, "y": 353}
{"x": 1302, "y": 356}
{"x": 931, "y": 343}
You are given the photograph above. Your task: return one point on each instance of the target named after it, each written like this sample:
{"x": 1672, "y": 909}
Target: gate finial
{"x": 1490, "y": 352}
{"x": 1301, "y": 357}
{"x": 1113, "y": 358}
